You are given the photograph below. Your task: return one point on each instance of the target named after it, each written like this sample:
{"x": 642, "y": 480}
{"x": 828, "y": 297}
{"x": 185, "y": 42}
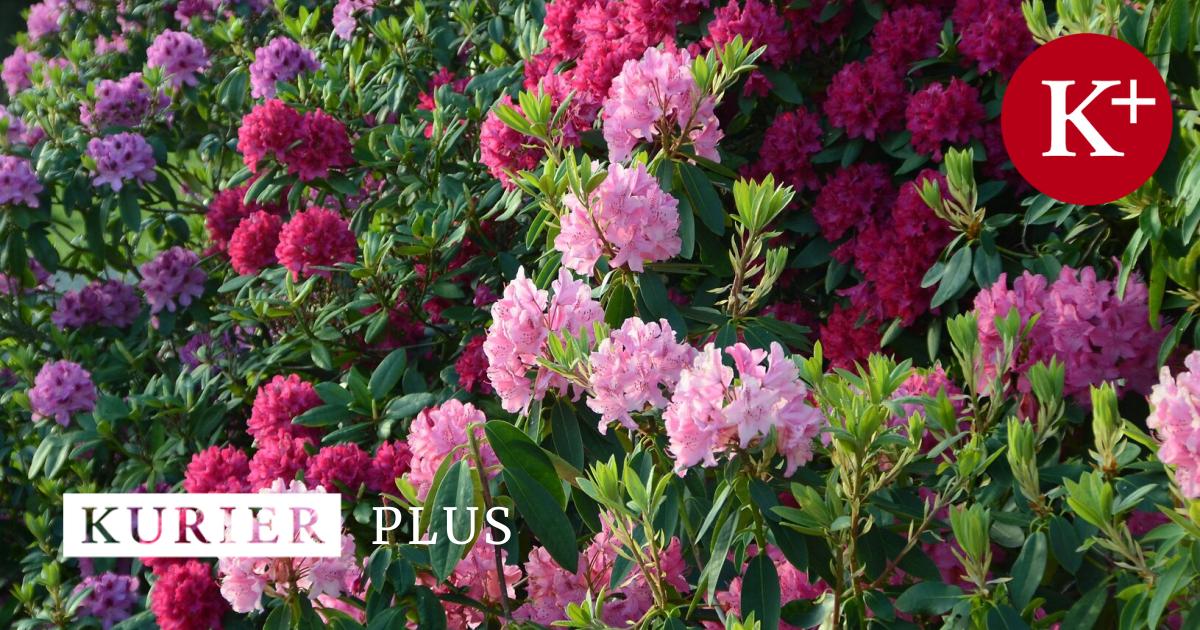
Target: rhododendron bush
{"x": 737, "y": 306}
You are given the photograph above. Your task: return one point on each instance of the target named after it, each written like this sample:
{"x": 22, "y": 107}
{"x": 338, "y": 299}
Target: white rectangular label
{"x": 131, "y": 525}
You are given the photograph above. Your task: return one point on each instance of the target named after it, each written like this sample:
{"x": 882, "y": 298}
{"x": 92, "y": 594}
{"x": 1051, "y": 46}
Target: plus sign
{"x": 1132, "y": 102}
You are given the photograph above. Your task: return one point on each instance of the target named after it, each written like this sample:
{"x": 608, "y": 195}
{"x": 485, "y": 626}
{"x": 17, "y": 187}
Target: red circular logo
{"x": 1086, "y": 119}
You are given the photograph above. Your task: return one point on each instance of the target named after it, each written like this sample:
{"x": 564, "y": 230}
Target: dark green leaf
{"x": 760, "y": 592}
{"x": 930, "y": 598}
{"x": 544, "y": 517}
{"x": 385, "y": 377}
{"x": 1028, "y": 570}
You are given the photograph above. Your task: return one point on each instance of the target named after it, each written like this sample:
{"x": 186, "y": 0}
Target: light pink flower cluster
{"x": 244, "y": 580}
{"x": 628, "y": 217}
{"x": 60, "y": 389}
{"x": 1176, "y": 420}
{"x": 1096, "y": 335}
{"x": 630, "y": 369}
{"x": 654, "y": 91}
{"x": 18, "y": 183}
{"x": 440, "y": 432}
{"x": 476, "y": 576}
{"x": 317, "y": 237}
{"x": 44, "y": 18}
{"x": 180, "y": 56}
{"x": 522, "y": 321}
{"x": 344, "y": 19}
{"x": 172, "y": 280}
{"x": 552, "y": 588}
{"x": 709, "y": 413}
{"x": 120, "y": 159}
{"x": 282, "y": 59}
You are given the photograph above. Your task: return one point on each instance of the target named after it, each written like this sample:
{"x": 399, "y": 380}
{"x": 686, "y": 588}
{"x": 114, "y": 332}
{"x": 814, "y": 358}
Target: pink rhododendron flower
{"x": 944, "y": 114}
{"x": 17, "y": 70}
{"x": 323, "y": 145}
{"x": 344, "y": 19}
{"x": 758, "y": 23}
{"x": 1175, "y": 418}
{"x": 338, "y": 466}
{"x": 907, "y": 34}
{"x": 269, "y": 129}
{"x": 994, "y": 34}
{"x": 180, "y": 56}
{"x": 471, "y": 367}
{"x": 787, "y": 149}
{"x": 847, "y": 337}
{"x": 278, "y": 403}
{"x": 18, "y": 183}
{"x": 709, "y": 414}
{"x": 60, "y": 389}
{"x": 122, "y": 158}
{"x": 852, "y": 198}
{"x": 279, "y": 456}
{"x": 628, "y": 217}
{"x": 867, "y": 98}
{"x": 252, "y": 245}
{"x": 793, "y": 585}
{"x": 109, "y": 303}
{"x": 124, "y": 103}
{"x": 522, "y": 320}
{"x": 392, "y": 460}
{"x": 317, "y": 237}
{"x": 505, "y": 150}
{"x": 654, "y": 91}
{"x": 281, "y": 60}
{"x": 217, "y": 469}
{"x": 630, "y": 369}
{"x": 811, "y": 29}
{"x": 186, "y": 597}
{"x": 226, "y": 211}
{"x": 440, "y": 432}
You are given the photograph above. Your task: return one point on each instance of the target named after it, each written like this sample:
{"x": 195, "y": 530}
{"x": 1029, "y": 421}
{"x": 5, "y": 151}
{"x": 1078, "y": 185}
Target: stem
{"x": 487, "y": 505}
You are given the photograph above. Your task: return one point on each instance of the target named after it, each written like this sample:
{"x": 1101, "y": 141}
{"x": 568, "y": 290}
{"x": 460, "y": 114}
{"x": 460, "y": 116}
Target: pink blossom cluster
{"x": 217, "y": 469}
{"x": 172, "y": 280}
{"x": 552, "y": 588}
{"x": 994, "y": 34}
{"x": 931, "y": 384}
{"x": 475, "y": 576}
{"x": 471, "y": 367}
{"x": 631, "y": 368}
{"x": 244, "y": 580}
{"x": 505, "y": 150}
{"x": 709, "y": 413}
{"x": 18, "y": 68}
{"x": 657, "y": 92}
{"x": 794, "y": 585}
{"x": 281, "y": 60}
{"x": 120, "y": 159}
{"x": 867, "y": 98}
{"x": 107, "y": 303}
{"x": 60, "y": 389}
{"x": 275, "y": 406}
{"x": 849, "y": 335}
{"x": 112, "y": 598}
{"x": 941, "y": 115}
{"x": 20, "y": 133}
{"x": 629, "y": 218}
{"x": 122, "y": 103}
{"x": 313, "y": 239}
{"x": 788, "y": 146}
{"x": 851, "y": 198}
{"x": 227, "y": 210}
{"x": 440, "y": 432}
{"x": 279, "y": 457}
{"x": 185, "y": 595}
{"x": 18, "y": 183}
{"x": 344, "y": 16}
{"x": 180, "y": 55}
{"x": 1096, "y": 335}
{"x": 1175, "y": 418}
{"x": 757, "y": 22}
{"x": 905, "y": 35}
{"x": 309, "y": 144}
{"x": 522, "y": 321}
{"x": 44, "y": 18}
{"x": 252, "y": 244}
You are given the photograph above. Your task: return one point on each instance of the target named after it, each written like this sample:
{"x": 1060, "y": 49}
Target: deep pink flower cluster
{"x": 281, "y": 60}
{"x": 628, "y": 218}
{"x": 994, "y": 34}
{"x": 1176, "y": 420}
{"x": 440, "y": 432}
{"x": 226, "y": 211}
{"x": 522, "y": 321}
{"x": 217, "y": 469}
{"x": 853, "y": 197}
{"x": 310, "y": 145}
{"x": 793, "y": 585}
{"x": 944, "y": 114}
{"x": 471, "y": 367}
{"x": 812, "y": 29}
{"x": 505, "y": 150}
{"x": 709, "y": 413}
{"x": 907, "y": 34}
{"x": 552, "y": 588}
{"x": 275, "y": 406}
{"x": 338, "y": 468}
{"x": 111, "y": 600}
{"x": 18, "y": 183}
{"x": 108, "y": 303}
{"x": 185, "y": 10}
{"x": 122, "y": 103}
{"x": 756, "y": 22}
{"x": 252, "y": 245}
{"x": 392, "y": 460}
{"x": 787, "y": 149}
{"x": 344, "y": 19}
{"x": 867, "y": 98}
{"x": 180, "y": 56}
{"x": 186, "y": 597}
{"x": 60, "y": 389}
{"x": 655, "y": 92}
{"x": 172, "y": 280}
{"x": 120, "y": 159}
{"x": 280, "y": 456}
{"x": 631, "y": 367}
{"x": 315, "y": 238}
{"x": 17, "y": 70}
{"x": 848, "y": 335}
{"x": 1097, "y": 336}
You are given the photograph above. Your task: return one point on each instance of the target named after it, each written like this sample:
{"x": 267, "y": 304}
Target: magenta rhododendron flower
{"x": 345, "y": 16}
{"x": 942, "y": 114}
{"x": 279, "y": 456}
{"x": 17, "y": 70}
{"x": 907, "y": 34}
{"x": 338, "y": 468}
{"x": 391, "y": 461}
{"x": 853, "y": 198}
{"x": 709, "y": 413}
{"x": 440, "y": 432}
{"x": 471, "y": 366}
{"x": 1175, "y": 418}
{"x": 631, "y": 368}
{"x": 787, "y": 149}
{"x": 994, "y": 34}
{"x": 62, "y": 388}
{"x": 867, "y": 98}
{"x": 281, "y": 60}
{"x": 124, "y": 103}
{"x": 756, "y": 22}
{"x": 186, "y": 597}
{"x": 18, "y": 183}
{"x": 269, "y": 129}
{"x": 322, "y": 145}
{"x": 120, "y": 159}
{"x": 317, "y": 237}
{"x": 217, "y": 469}
{"x": 252, "y": 245}
{"x": 180, "y": 56}
{"x": 657, "y": 92}
{"x": 505, "y": 150}
{"x": 628, "y": 218}
{"x": 276, "y": 404}
{"x": 227, "y": 210}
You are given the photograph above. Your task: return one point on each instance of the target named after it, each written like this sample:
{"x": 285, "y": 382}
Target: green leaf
{"x": 760, "y": 592}
{"x": 953, "y": 279}
{"x": 544, "y": 516}
{"x": 131, "y": 212}
{"x": 716, "y": 558}
{"x": 516, "y": 450}
{"x": 619, "y": 307}
{"x": 334, "y": 394}
{"x": 1166, "y": 586}
{"x": 320, "y": 356}
{"x": 408, "y": 405}
{"x": 564, "y": 432}
{"x": 1005, "y": 618}
{"x": 703, "y": 197}
{"x": 1028, "y": 570}
{"x": 930, "y": 598}
{"x": 1064, "y": 544}
{"x": 385, "y": 377}
{"x": 322, "y": 416}
{"x": 456, "y": 491}
{"x": 1086, "y": 611}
